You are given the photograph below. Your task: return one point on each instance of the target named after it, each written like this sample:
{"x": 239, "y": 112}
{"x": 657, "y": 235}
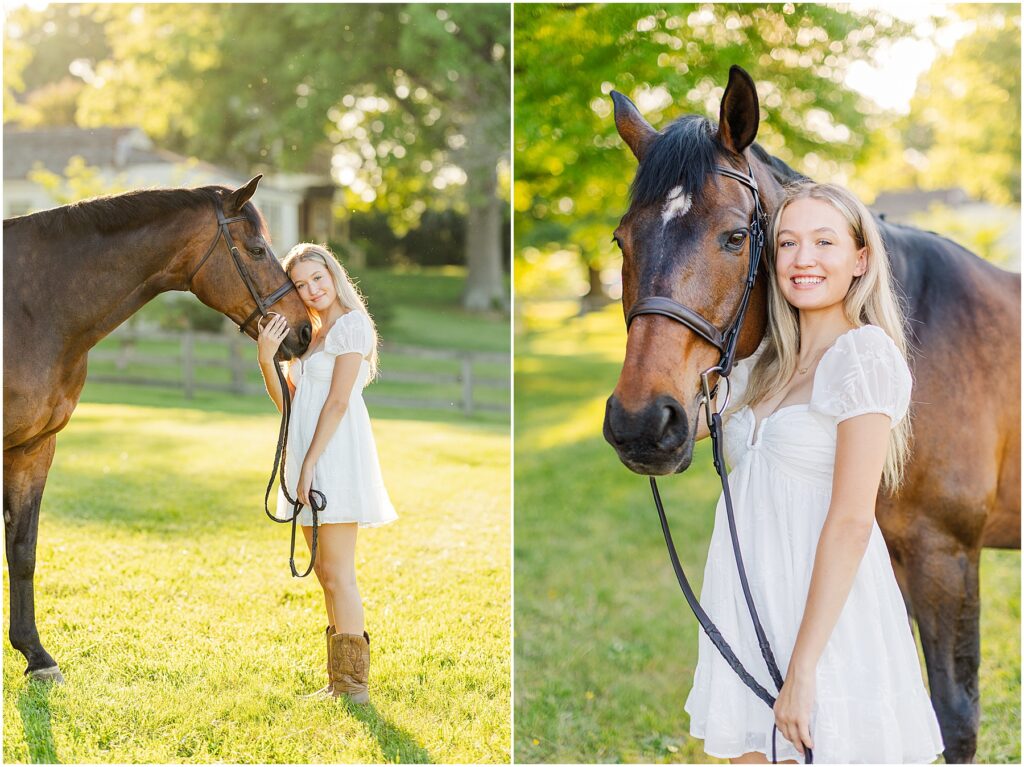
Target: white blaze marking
{"x": 676, "y": 204}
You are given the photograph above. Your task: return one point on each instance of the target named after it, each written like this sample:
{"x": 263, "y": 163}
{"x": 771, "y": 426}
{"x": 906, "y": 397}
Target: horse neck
{"x": 116, "y": 274}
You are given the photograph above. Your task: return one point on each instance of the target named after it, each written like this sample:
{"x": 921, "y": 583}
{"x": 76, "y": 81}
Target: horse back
{"x": 964, "y": 329}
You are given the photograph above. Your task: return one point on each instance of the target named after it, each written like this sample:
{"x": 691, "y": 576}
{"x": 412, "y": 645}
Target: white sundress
{"x": 347, "y": 472}
{"x": 871, "y": 704}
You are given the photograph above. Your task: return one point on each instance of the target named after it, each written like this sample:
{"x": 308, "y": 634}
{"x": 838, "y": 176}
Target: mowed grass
{"x": 164, "y": 593}
{"x": 605, "y": 643}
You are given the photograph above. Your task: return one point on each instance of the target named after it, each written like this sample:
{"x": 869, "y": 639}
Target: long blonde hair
{"x": 871, "y": 299}
{"x": 348, "y": 294}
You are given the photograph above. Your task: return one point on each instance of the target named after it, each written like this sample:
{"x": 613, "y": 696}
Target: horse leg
{"x": 943, "y": 580}
{"x": 24, "y": 479}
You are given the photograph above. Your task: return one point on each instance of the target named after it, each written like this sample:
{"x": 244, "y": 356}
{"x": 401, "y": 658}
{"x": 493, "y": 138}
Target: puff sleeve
{"x": 350, "y": 333}
{"x": 863, "y": 372}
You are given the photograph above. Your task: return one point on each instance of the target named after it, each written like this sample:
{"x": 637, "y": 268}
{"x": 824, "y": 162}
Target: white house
{"x": 296, "y": 207}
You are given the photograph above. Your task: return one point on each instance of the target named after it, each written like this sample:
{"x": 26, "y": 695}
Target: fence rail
{"x": 125, "y": 348}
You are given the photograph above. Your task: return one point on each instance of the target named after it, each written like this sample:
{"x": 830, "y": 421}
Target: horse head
{"x": 685, "y": 237}
{"x": 240, "y": 276}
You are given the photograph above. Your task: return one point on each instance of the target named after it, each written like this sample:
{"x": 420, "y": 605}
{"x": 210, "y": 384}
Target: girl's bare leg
{"x": 336, "y": 571}
{"x": 308, "y": 533}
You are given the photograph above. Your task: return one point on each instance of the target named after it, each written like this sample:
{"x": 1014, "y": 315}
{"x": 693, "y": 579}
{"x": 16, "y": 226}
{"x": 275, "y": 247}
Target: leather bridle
{"x": 725, "y": 342}
{"x": 262, "y": 304}
{"x": 317, "y": 500}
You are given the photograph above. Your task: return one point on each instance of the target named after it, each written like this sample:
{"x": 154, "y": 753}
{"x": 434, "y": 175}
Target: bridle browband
{"x": 725, "y": 342}
{"x": 317, "y": 501}
{"x": 262, "y": 304}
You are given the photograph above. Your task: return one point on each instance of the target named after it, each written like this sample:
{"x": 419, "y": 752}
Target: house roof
{"x": 115, "y": 148}
{"x": 903, "y": 202}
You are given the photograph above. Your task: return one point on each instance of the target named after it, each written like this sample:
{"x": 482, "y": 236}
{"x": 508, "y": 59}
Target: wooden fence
{"x": 235, "y": 354}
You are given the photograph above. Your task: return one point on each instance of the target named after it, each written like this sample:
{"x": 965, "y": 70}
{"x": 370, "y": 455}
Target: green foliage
{"x": 79, "y": 181}
{"x": 572, "y": 170}
{"x": 164, "y": 593}
{"x": 41, "y": 47}
{"x": 965, "y": 116}
{"x": 605, "y": 644}
{"x": 410, "y": 99}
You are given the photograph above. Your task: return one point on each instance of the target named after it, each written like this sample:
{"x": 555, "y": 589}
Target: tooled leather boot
{"x": 328, "y": 689}
{"x": 350, "y": 666}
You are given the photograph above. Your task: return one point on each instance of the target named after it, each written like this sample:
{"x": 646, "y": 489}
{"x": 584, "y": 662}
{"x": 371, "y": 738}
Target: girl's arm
{"x": 346, "y": 369}
{"x": 861, "y": 446}
{"x": 267, "y": 344}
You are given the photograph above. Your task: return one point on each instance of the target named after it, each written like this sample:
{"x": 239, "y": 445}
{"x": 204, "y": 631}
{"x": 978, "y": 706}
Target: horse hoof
{"x": 51, "y": 674}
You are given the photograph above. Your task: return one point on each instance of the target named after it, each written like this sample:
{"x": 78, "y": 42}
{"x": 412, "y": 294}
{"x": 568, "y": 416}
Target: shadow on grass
{"x": 396, "y": 744}
{"x": 34, "y": 707}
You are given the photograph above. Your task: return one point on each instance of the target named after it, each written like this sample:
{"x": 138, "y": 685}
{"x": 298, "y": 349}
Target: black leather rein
{"x": 726, "y": 345}
{"x": 317, "y": 500}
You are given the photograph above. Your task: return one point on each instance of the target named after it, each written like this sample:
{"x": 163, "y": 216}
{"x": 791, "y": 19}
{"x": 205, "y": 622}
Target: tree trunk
{"x": 485, "y": 287}
{"x": 595, "y": 298}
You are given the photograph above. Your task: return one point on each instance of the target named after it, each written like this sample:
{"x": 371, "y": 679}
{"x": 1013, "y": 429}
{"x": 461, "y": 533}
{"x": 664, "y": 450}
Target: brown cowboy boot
{"x": 350, "y": 666}
{"x": 328, "y": 689}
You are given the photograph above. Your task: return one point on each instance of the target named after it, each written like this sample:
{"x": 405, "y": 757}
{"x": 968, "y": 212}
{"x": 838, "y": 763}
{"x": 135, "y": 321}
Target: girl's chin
{"x": 811, "y": 303}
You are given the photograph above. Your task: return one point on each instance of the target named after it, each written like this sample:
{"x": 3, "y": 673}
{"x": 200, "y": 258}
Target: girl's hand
{"x": 305, "y": 483}
{"x": 793, "y": 709}
{"x": 270, "y": 338}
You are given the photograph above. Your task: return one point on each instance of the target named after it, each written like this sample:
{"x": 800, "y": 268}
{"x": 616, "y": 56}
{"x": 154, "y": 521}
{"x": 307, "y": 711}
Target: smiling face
{"x": 816, "y": 257}
{"x": 314, "y": 284}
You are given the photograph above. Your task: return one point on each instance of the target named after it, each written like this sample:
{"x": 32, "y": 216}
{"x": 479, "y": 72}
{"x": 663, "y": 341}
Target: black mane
{"x": 684, "y": 154}
{"x": 782, "y": 172}
{"x": 120, "y": 212}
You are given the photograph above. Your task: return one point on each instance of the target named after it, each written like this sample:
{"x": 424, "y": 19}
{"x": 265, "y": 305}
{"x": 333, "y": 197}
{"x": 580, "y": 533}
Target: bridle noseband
{"x": 725, "y": 342}
{"x": 262, "y": 304}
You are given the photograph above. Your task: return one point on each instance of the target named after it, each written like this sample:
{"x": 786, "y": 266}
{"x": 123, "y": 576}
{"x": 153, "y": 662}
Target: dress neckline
{"x": 310, "y": 355}
{"x": 754, "y": 437}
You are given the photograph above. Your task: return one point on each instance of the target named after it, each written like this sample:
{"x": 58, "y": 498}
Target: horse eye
{"x": 736, "y": 239}
{"x": 256, "y": 252}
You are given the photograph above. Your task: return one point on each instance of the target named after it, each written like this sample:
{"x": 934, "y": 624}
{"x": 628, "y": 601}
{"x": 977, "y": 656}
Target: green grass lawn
{"x": 164, "y": 593}
{"x": 605, "y": 643}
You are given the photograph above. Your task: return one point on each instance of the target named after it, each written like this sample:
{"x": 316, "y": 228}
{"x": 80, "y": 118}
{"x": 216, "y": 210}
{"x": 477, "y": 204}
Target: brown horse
{"x": 73, "y": 274}
{"x": 962, "y": 489}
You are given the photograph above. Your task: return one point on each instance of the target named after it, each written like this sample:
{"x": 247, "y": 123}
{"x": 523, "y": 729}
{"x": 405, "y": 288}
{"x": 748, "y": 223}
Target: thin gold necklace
{"x": 803, "y": 370}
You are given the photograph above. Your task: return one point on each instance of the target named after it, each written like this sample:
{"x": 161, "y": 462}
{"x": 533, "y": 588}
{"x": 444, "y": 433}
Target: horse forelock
{"x": 120, "y": 212}
{"x": 677, "y": 163}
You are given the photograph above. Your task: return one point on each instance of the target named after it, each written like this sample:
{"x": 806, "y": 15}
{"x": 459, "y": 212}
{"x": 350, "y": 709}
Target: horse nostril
{"x": 671, "y": 428}
{"x": 305, "y": 334}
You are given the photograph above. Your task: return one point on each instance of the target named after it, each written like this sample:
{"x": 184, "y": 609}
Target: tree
{"x": 672, "y": 59}
{"x": 965, "y": 115}
{"x": 406, "y": 105}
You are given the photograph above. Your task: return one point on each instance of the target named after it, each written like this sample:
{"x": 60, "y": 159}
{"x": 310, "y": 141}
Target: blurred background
{"x": 916, "y": 107}
{"x": 383, "y": 131}
{"x": 916, "y": 110}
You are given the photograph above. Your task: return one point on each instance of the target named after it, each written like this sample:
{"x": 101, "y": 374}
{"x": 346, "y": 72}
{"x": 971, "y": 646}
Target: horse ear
{"x": 740, "y": 115}
{"x": 235, "y": 200}
{"x": 634, "y": 129}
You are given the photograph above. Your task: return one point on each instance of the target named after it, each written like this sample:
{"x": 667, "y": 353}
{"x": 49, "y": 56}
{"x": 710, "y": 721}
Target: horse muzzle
{"x": 653, "y": 441}
{"x": 296, "y": 342}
